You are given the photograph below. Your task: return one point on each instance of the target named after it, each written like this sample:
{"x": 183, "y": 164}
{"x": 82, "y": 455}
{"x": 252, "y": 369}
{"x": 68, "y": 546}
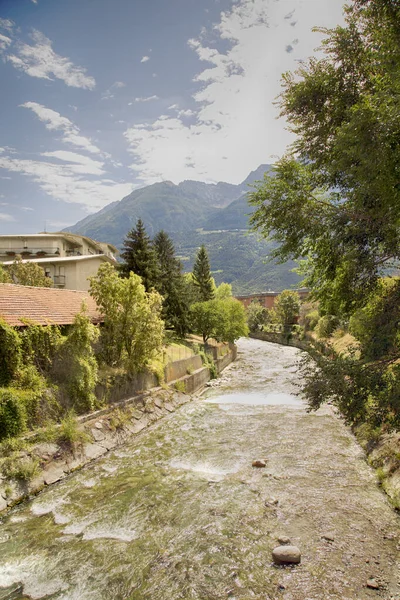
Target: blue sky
{"x": 99, "y": 98}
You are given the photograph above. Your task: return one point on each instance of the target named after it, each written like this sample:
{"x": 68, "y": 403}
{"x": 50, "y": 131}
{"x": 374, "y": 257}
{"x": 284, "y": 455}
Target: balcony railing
{"x": 59, "y": 280}
{"x": 32, "y": 252}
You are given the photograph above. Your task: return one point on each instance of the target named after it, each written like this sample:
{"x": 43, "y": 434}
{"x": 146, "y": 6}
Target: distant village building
{"x": 68, "y": 259}
{"x": 267, "y": 299}
{"x": 44, "y": 306}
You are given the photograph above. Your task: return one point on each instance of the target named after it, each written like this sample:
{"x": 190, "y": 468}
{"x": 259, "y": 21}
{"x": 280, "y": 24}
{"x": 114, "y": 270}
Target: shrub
{"x": 23, "y": 469}
{"x": 13, "y": 414}
{"x": 69, "y": 433}
{"x": 180, "y": 386}
{"x": 10, "y": 353}
{"x": 326, "y": 326}
{"x": 310, "y": 320}
{"x": 287, "y": 307}
{"x": 39, "y": 344}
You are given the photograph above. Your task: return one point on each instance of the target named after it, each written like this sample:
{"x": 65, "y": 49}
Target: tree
{"x": 139, "y": 256}
{"x": 28, "y": 273}
{"x": 287, "y": 307}
{"x": 202, "y": 275}
{"x": 257, "y": 316}
{"x": 223, "y": 320}
{"x": 223, "y": 291}
{"x": 171, "y": 285}
{"x": 335, "y": 198}
{"x": 133, "y": 329}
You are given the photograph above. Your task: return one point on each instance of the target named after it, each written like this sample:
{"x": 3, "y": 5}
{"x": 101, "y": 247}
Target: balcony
{"x": 41, "y": 252}
{"x": 59, "y": 280}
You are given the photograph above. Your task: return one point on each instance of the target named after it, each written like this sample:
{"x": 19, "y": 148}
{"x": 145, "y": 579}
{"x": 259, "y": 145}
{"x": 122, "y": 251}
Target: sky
{"x": 98, "y": 98}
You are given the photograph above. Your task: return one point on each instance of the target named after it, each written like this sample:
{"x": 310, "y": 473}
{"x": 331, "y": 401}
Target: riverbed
{"x": 180, "y": 513}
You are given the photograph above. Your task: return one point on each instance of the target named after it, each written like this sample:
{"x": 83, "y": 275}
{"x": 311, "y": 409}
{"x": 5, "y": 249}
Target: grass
{"x": 22, "y": 469}
{"x": 119, "y": 419}
{"x": 180, "y": 386}
{"x": 69, "y": 433}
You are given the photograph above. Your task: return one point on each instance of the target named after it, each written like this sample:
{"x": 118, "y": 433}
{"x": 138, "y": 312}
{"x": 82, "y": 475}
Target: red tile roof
{"x": 45, "y": 306}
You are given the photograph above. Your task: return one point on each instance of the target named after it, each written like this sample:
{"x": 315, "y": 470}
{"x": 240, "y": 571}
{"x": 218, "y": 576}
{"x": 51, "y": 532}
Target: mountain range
{"x": 195, "y": 213}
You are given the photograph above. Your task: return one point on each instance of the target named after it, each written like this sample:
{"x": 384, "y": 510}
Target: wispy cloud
{"x": 4, "y": 41}
{"x": 145, "y": 99}
{"x": 235, "y": 126}
{"x": 5, "y": 217}
{"x": 80, "y": 163}
{"x": 144, "y": 59}
{"x": 54, "y": 121}
{"x": 7, "y": 24}
{"x": 40, "y": 60}
{"x": 65, "y": 181}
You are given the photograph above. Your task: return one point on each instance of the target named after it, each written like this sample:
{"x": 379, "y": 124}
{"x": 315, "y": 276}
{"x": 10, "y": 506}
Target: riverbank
{"x": 382, "y": 449}
{"x": 179, "y": 511}
{"x": 43, "y": 463}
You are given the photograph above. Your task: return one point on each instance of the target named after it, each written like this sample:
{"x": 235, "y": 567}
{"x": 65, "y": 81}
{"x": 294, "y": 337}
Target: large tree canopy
{"x": 335, "y": 197}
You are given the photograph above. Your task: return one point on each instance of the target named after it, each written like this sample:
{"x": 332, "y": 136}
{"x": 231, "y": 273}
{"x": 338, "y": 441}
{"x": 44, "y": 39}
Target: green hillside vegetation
{"x": 195, "y": 213}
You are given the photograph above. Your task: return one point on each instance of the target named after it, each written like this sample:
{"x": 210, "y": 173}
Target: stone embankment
{"x": 112, "y": 426}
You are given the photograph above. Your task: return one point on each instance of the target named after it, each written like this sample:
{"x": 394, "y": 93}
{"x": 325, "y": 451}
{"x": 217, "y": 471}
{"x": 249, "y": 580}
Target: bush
{"x": 310, "y": 320}
{"x": 39, "y": 345}
{"x": 287, "y": 307}
{"x": 10, "y": 353}
{"x": 13, "y": 414}
{"x": 69, "y": 433}
{"x": 326, "y": 326}
{"x": 180, "y": 386}
{"x": 23, "y": 469}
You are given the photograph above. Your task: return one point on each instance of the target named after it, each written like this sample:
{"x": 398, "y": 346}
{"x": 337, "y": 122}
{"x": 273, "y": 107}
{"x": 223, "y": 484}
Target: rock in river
{"x": 286, "y": 555}
{"x": 259, "y": 463}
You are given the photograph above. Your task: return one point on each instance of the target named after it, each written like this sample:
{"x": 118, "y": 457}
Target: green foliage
{"x": 202, "y": 275}
{"x": 223, "y": 320}
{"x": 79, "y": 372}
{"x": 140, "y": 257}
{"x": 119, "y": 419}
{"x": 13, "y": 413}
{"x": 311, "y": 319}
{"x": 23, "y": 469}
{"x": 40, "y": 344}
{"x": 287, "y": 307}
{"x": 344, "y": 109}
{"x": 133, "y": 328}
{"x": 4, "y": 275}
{"x": 223, "y": 291}
{"x": 326, "y": 326}
{"x": 171, "y": 285}
{"x": 70, "y": 434}
{"x": 28, "y": 273}
{"x": 209, "y": 363}
{"x": 376, "y": 325}
{"x": 179, "y": 385}
{"x": 10, "y": 353}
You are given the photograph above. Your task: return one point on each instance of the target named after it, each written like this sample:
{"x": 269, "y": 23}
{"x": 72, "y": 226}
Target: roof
{"x": 44, "y": 306}
{"x": 58, "y": 259}
{"x": 57, "y": 234}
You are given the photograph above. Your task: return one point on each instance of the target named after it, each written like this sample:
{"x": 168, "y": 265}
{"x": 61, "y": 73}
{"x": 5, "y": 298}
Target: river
{"x": 180, "y": 513}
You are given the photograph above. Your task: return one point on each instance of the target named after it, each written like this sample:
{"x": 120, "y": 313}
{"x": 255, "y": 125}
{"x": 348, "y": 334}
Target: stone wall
{"x": 105, "y": 429}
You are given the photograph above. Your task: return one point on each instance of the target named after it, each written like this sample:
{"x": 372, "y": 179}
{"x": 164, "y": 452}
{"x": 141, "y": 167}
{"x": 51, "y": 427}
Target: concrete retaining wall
{"x": 180, "y": 368}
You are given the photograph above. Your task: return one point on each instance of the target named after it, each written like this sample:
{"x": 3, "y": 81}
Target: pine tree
{"x": 140, "y": 257}
{"x": 202, "y": 275}
{"x": 171, "y": 285}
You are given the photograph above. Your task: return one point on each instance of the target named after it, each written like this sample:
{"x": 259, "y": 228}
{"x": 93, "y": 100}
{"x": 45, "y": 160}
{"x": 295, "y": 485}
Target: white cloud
{"x": 119, "y": 84}
{"x": 54, "y": 121}
{"x": 65, "y": 181}
{"x": 4, "y": 41}
{"x": 236, "y": 126}
{"x": 145, "y": 99}
{"x": 145, "y": 59}
{"x": 81, "y": 164}
{"x": 40, "y": 60}
{"x": 26, "y": 208}
{"x": 7, "y": 24}
{"x": 186, "y": 113}
{"x": 5, "y": 217}
{"x": 34, "y": 1}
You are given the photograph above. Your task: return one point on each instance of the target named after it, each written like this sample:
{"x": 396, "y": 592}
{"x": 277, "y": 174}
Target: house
{"x": 68, "y": 259}
{"x": 44, "y": 306}
{"x": 267, "y": 299}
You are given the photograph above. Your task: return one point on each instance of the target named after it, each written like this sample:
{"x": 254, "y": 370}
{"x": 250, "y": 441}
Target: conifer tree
{"x": 171, "y": 285}
{"x": 202, "y": 275}
{"x": 139, "y": 256}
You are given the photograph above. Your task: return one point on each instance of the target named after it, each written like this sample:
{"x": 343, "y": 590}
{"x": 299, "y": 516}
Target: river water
{"x": 180, "y": 513}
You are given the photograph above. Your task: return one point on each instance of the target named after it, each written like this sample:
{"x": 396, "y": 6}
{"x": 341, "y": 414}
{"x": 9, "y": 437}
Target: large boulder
{"x": 286, "y": 555}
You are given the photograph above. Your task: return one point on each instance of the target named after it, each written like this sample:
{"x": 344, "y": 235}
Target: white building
{"x": 67, "y": 258}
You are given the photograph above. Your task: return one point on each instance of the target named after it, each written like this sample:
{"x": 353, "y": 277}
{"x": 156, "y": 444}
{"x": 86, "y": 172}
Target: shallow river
{"x": 181, "y": 513}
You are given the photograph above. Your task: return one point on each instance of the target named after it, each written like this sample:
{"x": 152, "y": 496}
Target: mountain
{"x": 196, "y": 213}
